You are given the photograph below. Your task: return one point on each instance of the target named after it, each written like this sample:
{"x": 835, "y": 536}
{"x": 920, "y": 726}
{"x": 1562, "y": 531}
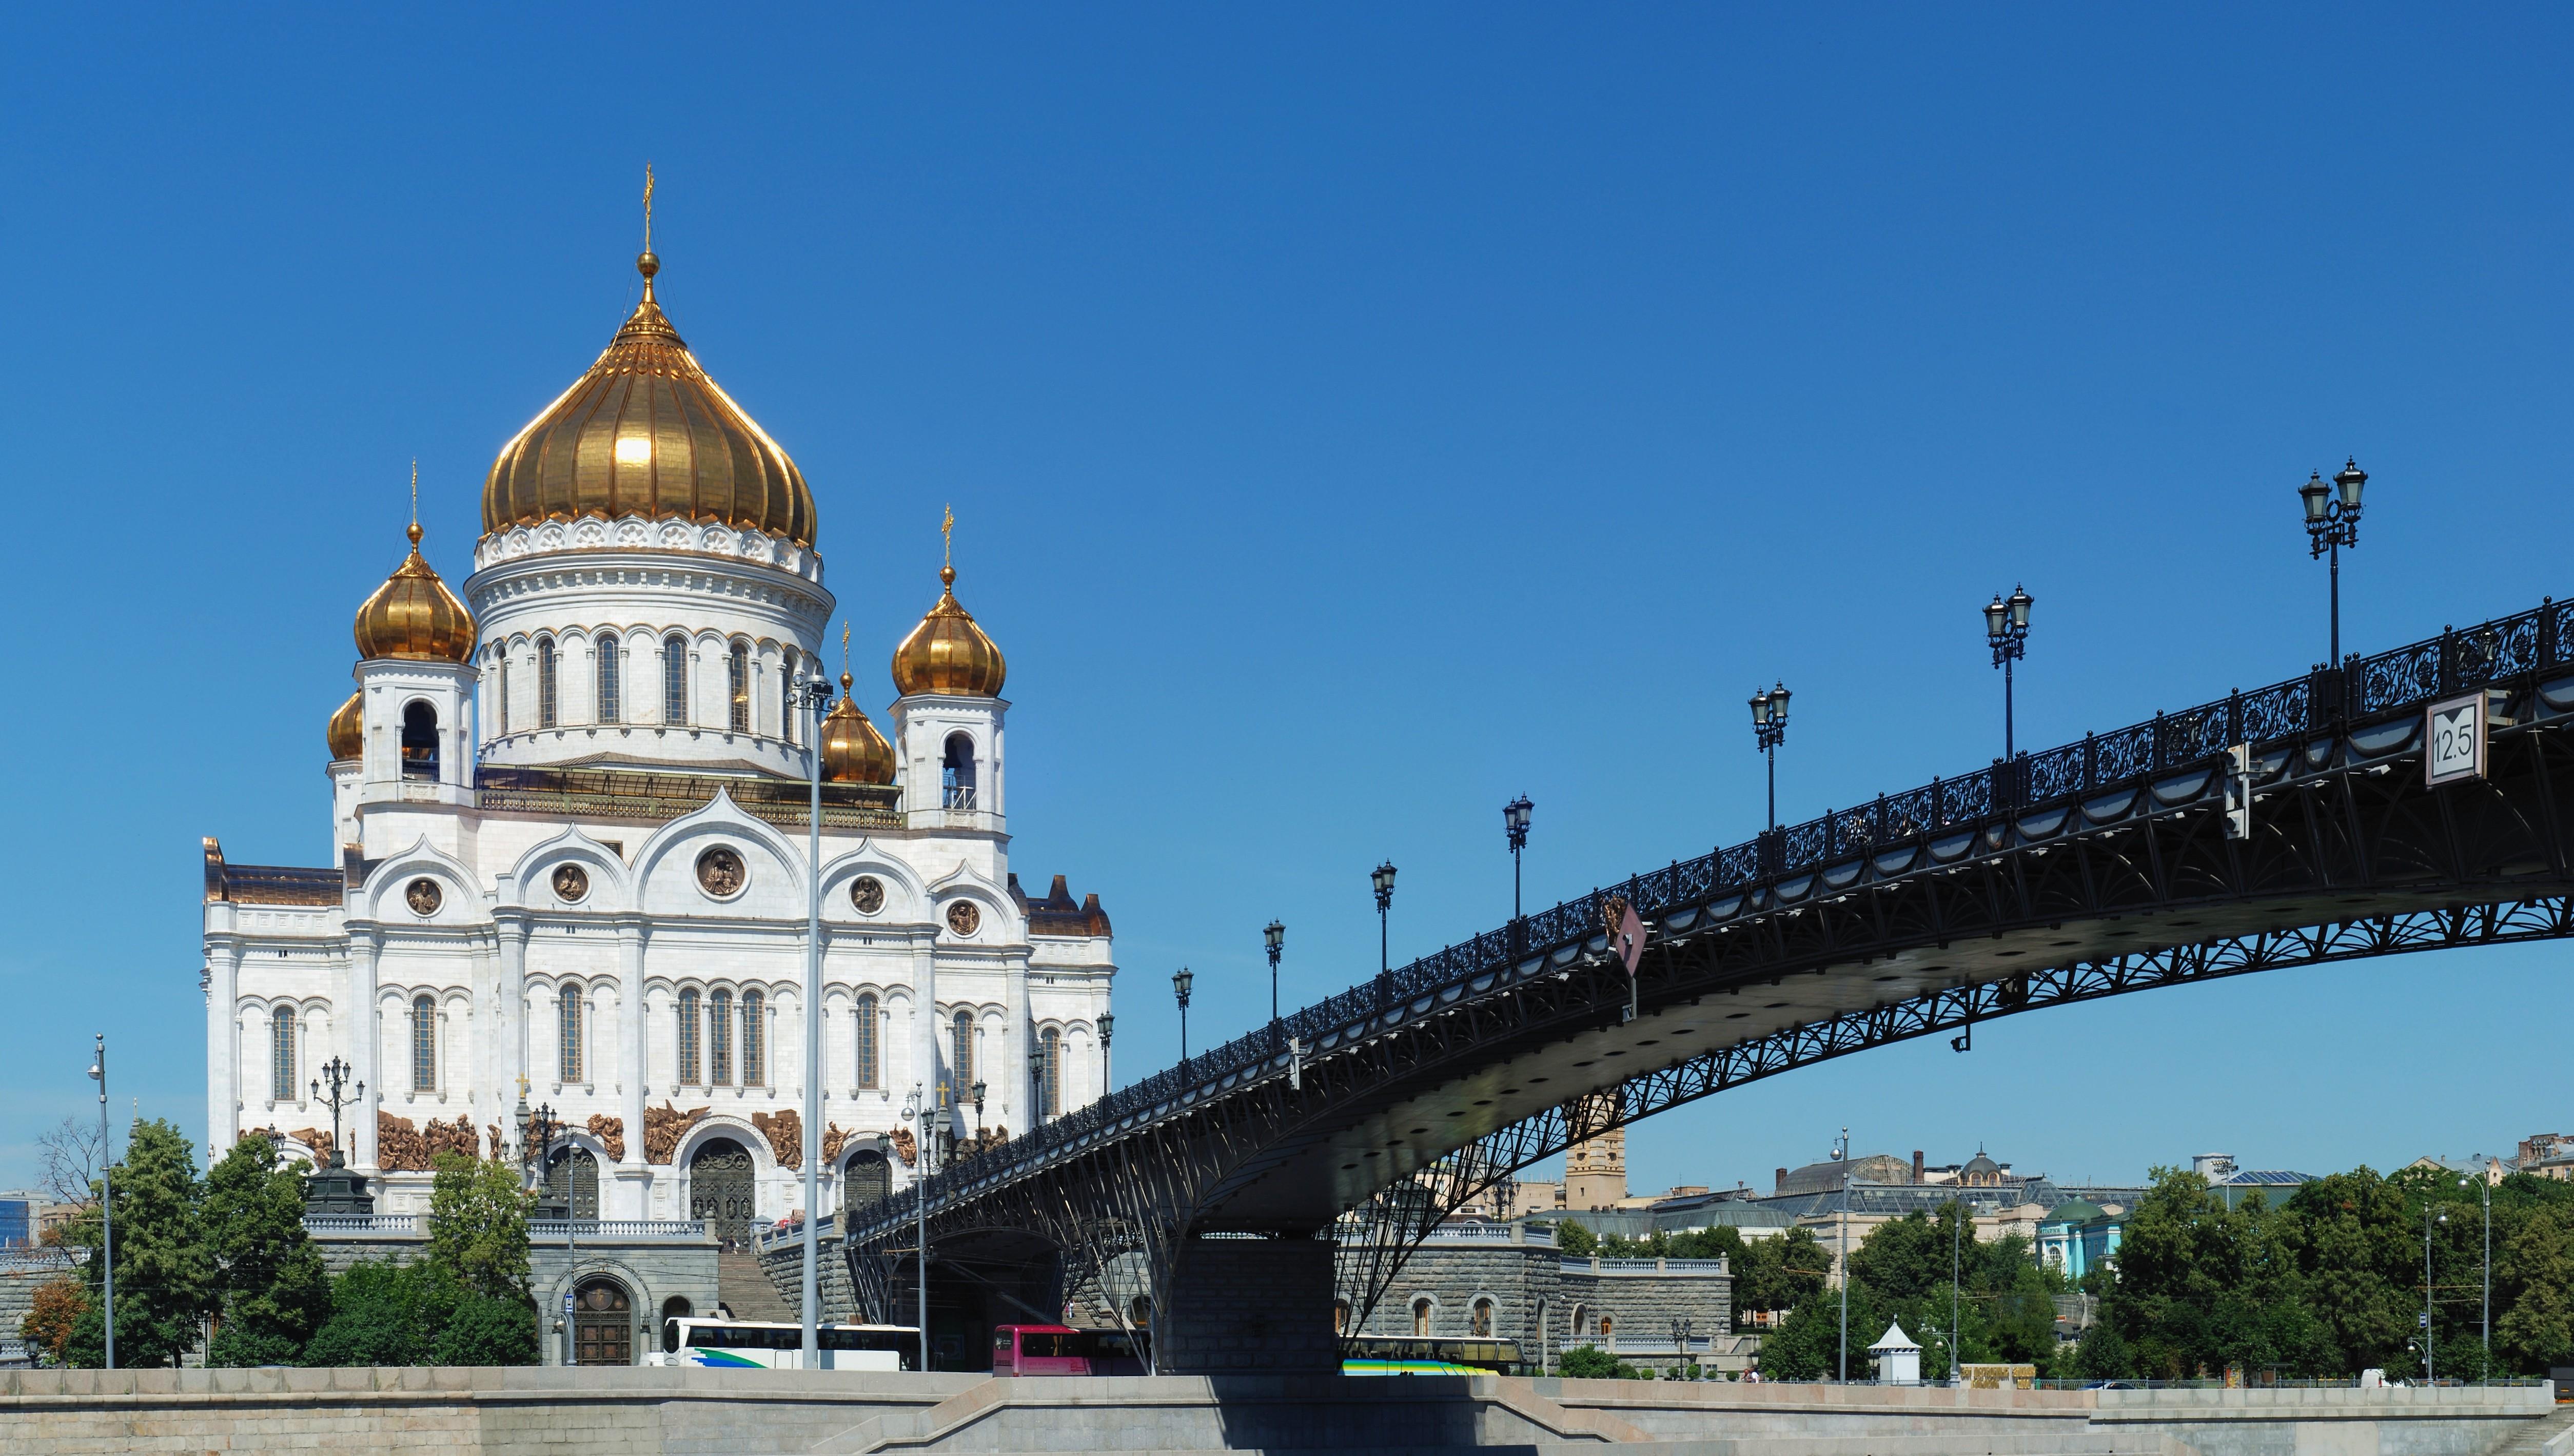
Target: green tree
{"x": 478, "y": 1226}
{"x": 1782, "y": 1271}
{"x": 164, "y": 1269}
{"x": 2534, "y": 1288}
{"x": 2358, "y": 1240}
{"x": 2202, "y": 1288}
{"x": 53, "y": 1313}
{"x": 1572, "y": 1238}
{"x": 273, "y": 1289}
{"x": 384, "y": 1313}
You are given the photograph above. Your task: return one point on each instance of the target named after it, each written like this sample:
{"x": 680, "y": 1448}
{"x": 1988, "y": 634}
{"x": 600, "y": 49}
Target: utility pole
{"x": 816, "y": 693}
{"x": 105, "y": 1198}
{"x": 1844, "y": 1160}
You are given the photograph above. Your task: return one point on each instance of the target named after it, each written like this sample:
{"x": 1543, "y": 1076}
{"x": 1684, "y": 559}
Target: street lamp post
{"x": 1274, "y": 936}
{"x": 1181, "y": 980}
{"x": 2486, "y": 1185}
{"x": 1515, "y": 822}
{"x": 2332, "y": 522}
{"x": 1383, "y": 878}
{"x": 1107, "y": 1034}
{"x": 1843, "y": 1157}
{"x": 2006, "y": 627}
{"x": 815, "y": 691}
{"x": 918, "y": 1114}
{"x": 1768, "y": 731}
{"x": 2429, "y": 1376}
{"x": 107, "y": 1195}
{"x": 979, "y": 1090}
{"x": 537, "y": 1133}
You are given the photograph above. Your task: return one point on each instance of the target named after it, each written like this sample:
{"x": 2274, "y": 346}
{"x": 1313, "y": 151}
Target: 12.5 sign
{"x": 2453, "y": 741}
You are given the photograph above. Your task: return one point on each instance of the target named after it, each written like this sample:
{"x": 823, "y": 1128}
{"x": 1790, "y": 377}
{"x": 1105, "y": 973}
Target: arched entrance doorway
{"x": 571, "y": 1185}
{"x": 722, "y": 1191}
{"x": 867, "y": 1177}
{"x": 602, "y": 1324}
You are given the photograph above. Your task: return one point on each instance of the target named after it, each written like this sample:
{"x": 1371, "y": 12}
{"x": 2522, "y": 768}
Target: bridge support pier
{"x": 1241, "y": 1304}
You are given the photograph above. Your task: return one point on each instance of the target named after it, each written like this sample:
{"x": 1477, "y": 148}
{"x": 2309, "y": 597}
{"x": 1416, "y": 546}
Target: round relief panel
{"x": 424, "y": 896}
{"x": 720, "y": 872}
{"x": 964, "y": 917}
{"x": 572, "y": 884}
{"x": 868, "y": 894}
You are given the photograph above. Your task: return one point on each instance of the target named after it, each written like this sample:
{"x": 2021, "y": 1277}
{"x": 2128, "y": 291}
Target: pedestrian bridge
{"x": 1223, "y": 1200}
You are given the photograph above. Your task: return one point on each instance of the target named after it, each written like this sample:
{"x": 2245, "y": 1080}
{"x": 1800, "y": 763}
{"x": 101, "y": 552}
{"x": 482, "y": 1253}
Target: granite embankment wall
{"x": 551, "y": 1411}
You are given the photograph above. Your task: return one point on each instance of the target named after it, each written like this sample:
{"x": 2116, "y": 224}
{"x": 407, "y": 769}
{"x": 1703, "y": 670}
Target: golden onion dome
{"x": 348, "y": 729}
{"x": 853, "y": 750}
{"x": 947, "y": 654}
{"x": 646, "y": 432}
{"x": 412, "y": 614}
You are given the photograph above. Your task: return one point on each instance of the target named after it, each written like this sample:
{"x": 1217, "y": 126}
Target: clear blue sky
{"x": 1354, "y": 417}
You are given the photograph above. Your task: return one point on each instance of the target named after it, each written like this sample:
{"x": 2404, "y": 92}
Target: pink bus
{"x": 1055, "y": 1349}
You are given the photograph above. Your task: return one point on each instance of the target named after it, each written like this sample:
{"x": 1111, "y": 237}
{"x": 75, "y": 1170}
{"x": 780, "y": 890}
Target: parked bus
{"x": 748, "y": 1344}
{"x": 1416, "y": 1355}
{"x": 1055, "y": 1349}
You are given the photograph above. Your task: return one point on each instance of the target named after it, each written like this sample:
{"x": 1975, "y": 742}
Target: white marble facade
{"x": 461, "y": 943}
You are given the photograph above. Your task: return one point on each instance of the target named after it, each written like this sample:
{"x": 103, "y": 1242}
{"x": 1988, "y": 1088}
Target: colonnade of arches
{"x": 646, "y": 678}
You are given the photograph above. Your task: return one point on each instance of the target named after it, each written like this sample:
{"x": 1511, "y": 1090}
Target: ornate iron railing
{"x": 2503, "y": 650}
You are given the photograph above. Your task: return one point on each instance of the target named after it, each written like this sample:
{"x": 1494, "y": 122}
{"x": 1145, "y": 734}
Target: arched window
{"x": 1421, "y": 1318}
{"x": 870, "y": 1076}
{"x": 281, "y": 1055}
{"x": 544, "y": 681}
{"x": 1050, "y": 1073}
{"x": 688, "y": 1037}
{"x": 568, "y": 1033}
{"x": 719, "y": 1047}
{"x": 1581, "y": 1313}
{"x": 964, "y": 1064}
{"x": 609, "y": 649}
{"x": 1608, "y": 1325}
{"x": 423, "y": 1044}
{"x": 500, "y": 682}
{"x": 957, "y": 772}
{"x": 675, "y": 679}
{"x": 419, "y": 740}
{"x": 786, "y": 694}
{"x": 738, "y": 682}
{"x": 1340, "y": 1316}
{"x": 1482, "y": 1325}
{"x": 752, "y": 1067}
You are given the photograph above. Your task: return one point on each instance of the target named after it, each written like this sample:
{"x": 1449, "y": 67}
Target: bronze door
{"x": 603, "y": 1322}
{"x": 721, "y": 1193}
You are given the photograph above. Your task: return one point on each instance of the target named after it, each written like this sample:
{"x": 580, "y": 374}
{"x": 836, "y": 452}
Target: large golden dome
{"x": 853, "y": 750}
{"x": 412, "y": 614}
{"x": 348, "y": 729}
{"x": 947, "y": 654}
{"x": 645, "y": 433}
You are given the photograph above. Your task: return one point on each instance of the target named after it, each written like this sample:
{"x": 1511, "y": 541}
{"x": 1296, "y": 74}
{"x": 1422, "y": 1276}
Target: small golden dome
{"x": 947, "y": 654}
{"x": 348, "y": 731}
{"x": 646, "y": 432}
{"x": 853, "y": 750}
{"x": 412, "y": 614}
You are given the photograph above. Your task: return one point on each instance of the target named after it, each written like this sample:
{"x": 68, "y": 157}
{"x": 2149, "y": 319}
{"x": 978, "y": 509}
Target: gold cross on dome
{"x": 844, "y": 647}
{"x": 647, "y": 207}
{"x": 948, "y": 539}
{"x": 415, "y": 489}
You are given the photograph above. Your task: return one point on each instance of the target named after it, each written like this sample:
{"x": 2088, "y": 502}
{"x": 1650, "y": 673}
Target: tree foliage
{"x": 54, "y": 1311}
{"x": 272, "y": 1289}
{"x": 477, "y": 1229}
{"x": 164, "y": 1267}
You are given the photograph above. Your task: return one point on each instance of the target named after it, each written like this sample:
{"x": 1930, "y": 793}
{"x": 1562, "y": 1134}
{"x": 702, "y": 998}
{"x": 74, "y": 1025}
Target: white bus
{"x": 749, "y": 1344}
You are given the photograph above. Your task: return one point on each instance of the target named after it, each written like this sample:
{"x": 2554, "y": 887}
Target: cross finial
{"x": 947, "y": 536}
{"x": 647, "y": 207}
{"x": 415, "y": 501}
{"x": 844, "y": 647}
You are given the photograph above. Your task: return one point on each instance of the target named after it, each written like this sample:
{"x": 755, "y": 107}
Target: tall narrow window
{"x": 500, "y": 680}
{"x": 720, "y": 1043}
{"x": 870, "y": 1076}
{"x": 675, "y": 679}
{"x": 608, "y": 648}
{"x": 281, "y": 1055}
{"x": 688, "y": 1037}
{"x": 1050, "y": 1074}
{"x": 544, "y": 681}
{"x": 419, "y": 740}
{"x": 568, "y": 1033}
{"x": 1421, "y": 1318}
{"x": 737, "y": 683}
{"x": 424, "y": 1044}
{"x": 964, "y": 1047}
{"x": 957, "y": 772}
{"x": 786, "y": 694}
{"x": 753, "y": 1005}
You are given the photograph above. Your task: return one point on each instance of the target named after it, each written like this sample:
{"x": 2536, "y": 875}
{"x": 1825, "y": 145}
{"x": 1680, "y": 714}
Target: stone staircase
{"x": 2549, "y": 1435}
{"x": 745, "y": 1287}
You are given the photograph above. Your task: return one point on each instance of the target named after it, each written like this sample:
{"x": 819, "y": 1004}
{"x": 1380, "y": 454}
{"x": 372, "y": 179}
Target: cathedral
{"x": 570, "y": 813}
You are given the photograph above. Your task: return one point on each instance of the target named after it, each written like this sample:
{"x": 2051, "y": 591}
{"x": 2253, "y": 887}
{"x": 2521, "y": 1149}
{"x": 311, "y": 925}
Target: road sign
{"x": 2453, "y": 741}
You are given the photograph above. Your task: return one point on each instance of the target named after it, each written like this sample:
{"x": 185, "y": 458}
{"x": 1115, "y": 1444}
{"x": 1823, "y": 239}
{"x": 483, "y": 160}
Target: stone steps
{"x": 745, "y": 1287}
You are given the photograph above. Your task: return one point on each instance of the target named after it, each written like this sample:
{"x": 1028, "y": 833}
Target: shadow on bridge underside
{"x": 1400, "y": 1100}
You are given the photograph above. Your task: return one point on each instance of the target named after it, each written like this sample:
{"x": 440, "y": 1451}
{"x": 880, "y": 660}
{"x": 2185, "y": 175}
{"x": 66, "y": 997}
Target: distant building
{"x": 18, "y": 1212}
{"x": 2547, "y": 1155}
{"x": 2274, "y": 1186}
{"x": 2078, "y": 1236}
{"x": 1594, "y": 1171}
